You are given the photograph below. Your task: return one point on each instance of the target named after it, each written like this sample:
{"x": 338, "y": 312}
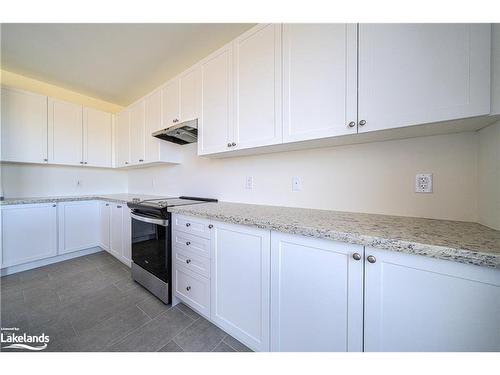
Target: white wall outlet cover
{"x": 423, "y": 183}
{"x": 249, "y": 182}
{"x": 296, "y": 184}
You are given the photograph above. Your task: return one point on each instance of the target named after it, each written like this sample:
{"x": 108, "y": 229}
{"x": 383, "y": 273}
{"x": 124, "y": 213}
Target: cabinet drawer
{"x": 193, "y": 262}
{"x": 193, "y": 290}
{"x": 198, "y": 227}
{"x": 197, "y": 245}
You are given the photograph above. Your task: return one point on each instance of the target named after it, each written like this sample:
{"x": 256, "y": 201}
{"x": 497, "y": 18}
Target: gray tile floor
{"x": 91, "y": 304}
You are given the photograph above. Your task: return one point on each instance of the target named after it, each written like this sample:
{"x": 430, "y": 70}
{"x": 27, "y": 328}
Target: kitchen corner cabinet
{"x": 415, "y": 303}
{"x": 65, "y": 132}
{"x": 319, "y": 81}
{"x": 97, "y": 138}
{"x": 29, "y": 233}
{"x": 413, "y": 74}
{"x": 318, "y": 283}
{"x": 215, "y": 122}
{"x": 122, "y": 138}
{"x": 78, "y": 225}
{"x": 240, "y": 282}
{"x": 24, "y": 126}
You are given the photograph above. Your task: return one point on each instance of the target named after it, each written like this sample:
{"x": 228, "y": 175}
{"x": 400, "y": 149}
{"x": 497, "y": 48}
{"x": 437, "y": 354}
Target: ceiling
{"x": 117, "y": 63}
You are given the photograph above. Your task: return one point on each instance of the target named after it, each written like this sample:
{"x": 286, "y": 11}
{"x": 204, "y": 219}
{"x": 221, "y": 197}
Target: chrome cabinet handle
{"x": 362, "y": 122}
{"x": 352, "y": 124}
{"x": 229, "y": 144}
{"x": 45, "y": 159}
{"x": 175, "y": 120}
{"x": 233, "y": 144}
{"x": 188, "y": 261}
{"x": 107, "y": 204}
{"x": 54, "y": 205}
{"x": 126, "y": 162}
{"x": 81, "y": 162}
{"x": 210, "y": 226}
{"x": 84, "y": 162}
{"x": 356, "y": 256}
{"x": 188, "y": 288}
{"x": 141, "y": 160}
{"x": 118, "y": 206}
{"x": 188, "y": 224}
{"x": 188, "y": 243}
{"x": 371, "y": 259}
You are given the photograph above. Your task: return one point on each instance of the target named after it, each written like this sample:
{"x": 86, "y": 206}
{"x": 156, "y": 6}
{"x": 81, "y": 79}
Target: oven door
{"x": 150, "y": 244}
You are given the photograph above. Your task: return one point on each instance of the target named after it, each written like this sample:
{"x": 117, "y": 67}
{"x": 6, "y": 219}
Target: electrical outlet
{"x": 296, "y": 183}
{"x": 249, "y": 183}
{"x": 423, "y": 183}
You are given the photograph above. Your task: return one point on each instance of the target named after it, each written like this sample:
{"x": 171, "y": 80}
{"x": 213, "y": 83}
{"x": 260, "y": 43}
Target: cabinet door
{"x": 105, "y": 221}
{"x": 24, "y": 126}
{"x": 97, "y": 138}
{"x": 190, "y": 94}
{"x": 122, "y": 140}
{"x": 153, "y": 123}
{"x": 215, "y": 125}
{"x": 170, "y": 103}
{"x": 319, "y": 80}
{"x": 65, "y": 133}
{"x": 415, "y": 303}
{"x": 419, "y": 73}
{"x": 137, "y": 130}
{"x": 126, "y": 254}
{"x": 78, "y": 226}
{"x": 316, "y": 295}
{"x": 29, "y": 232}
{"x": 116, "y": 233}
{"x": 240, "y": 275}
{"x": 257, "y": 69}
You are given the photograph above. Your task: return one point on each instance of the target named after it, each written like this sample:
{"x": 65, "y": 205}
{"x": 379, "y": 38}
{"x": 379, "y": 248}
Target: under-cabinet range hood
{"x": 182, "y": 133}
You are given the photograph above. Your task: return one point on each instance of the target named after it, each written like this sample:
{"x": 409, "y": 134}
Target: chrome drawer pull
{"x": 188, "y": 288}
{"x": 188, "y": 261}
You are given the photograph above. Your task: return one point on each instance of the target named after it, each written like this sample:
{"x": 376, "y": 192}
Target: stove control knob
{"x": 188, "y": 224}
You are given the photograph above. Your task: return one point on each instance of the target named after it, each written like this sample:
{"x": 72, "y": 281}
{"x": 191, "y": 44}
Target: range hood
{"x": 182, "y": 133}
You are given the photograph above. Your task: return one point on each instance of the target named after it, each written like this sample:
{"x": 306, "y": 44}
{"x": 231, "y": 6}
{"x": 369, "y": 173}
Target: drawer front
{"x": 193, "y": 262}
{"x": 187, "y": 224}
{"x": 186, "y": 242}
{"x": 193, "y": 290}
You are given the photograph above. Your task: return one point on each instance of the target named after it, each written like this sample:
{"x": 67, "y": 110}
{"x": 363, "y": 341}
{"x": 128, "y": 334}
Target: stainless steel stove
{"x": 152, "y": 244}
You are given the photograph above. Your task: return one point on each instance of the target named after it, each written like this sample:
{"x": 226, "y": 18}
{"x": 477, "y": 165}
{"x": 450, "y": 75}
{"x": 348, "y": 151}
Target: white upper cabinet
{"x": 415, "y": 303}
{"x": 97, "y": 138}
{"x": 328, "y": 281}
{"x": 122, "y": 138}
{"x": 153, "y": 123}
{"x": 257, "y": 79}
{"x": 137, "y": 132}
{"x": 215, "y": 123}
{"x": 319, "y": 81}
{"x": 24, "y": 126}
{"x": 65, "y": 132}
{"x": 170, "y": 103}
{"x": 189, "y": 82}
{"x": 420, "y": 73}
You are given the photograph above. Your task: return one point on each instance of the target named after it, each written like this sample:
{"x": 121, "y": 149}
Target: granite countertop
{"x": 463, "y": 242}
{"x": 118, "y": 198}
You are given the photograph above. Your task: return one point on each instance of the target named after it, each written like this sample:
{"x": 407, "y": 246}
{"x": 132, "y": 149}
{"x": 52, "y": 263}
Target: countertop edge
{"x": 459, "y": 255}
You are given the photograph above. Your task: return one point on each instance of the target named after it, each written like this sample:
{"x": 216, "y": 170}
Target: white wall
{"x": 489, "y": 176}
{"x": 25, "y": 180}
{"x": 375, "y": 178}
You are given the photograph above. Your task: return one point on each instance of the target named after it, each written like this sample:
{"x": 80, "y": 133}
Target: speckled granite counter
{"x": 458, "y": 241}
{"x": 118, "y": 198}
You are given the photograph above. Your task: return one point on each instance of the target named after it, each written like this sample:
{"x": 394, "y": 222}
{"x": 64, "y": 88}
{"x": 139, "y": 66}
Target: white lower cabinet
{"x": 120, "y": 245}
{"x": 316, "y": 295}
{"x": 29, "y": 233}
{"x": 240, "y": 283}
{"x": 192, "y": 289}
{"x": 78, "y": 225}
{"x": 415, "y": 303}
{"x": 105, "y": 221}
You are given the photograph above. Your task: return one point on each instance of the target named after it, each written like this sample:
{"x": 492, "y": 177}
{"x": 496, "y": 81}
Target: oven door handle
{"x": 150, "y": 220}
